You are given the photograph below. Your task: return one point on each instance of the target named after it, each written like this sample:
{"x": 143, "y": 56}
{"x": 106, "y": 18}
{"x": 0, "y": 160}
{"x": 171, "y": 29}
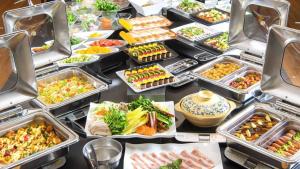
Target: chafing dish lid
{"x": 48, "y": 28}
{"x": 17, "y": 76}
{"x": 250, "y": 21}
{"x": 281, "y": 72}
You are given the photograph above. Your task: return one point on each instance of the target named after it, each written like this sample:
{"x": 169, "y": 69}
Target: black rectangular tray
{"x": 201, "y": 43}
{"x": 171, "y": 52}
{"x": 194, "y": 16}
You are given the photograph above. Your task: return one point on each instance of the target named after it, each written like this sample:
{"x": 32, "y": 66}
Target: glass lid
{"x": 250, "y": 22}
{"x": 281, "y": 77}
{"x": 47, "y": 27}
{"x": 17, "y": 76}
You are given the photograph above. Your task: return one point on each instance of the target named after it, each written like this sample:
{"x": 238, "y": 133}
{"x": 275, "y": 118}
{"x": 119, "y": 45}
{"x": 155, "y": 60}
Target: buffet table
{"x": 118, "y": 92}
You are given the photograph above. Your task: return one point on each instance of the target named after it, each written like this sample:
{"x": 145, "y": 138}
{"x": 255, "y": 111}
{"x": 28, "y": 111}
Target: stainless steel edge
{"x": 69, "y": 136}
{"x": 25, "y": 86}
{"x": 237, "y": 37}
{"x": 98, "y": 84}
{"x": 57, "y": 11}
{"x": 218, "y": 85}
{"x": 254, "y": 146}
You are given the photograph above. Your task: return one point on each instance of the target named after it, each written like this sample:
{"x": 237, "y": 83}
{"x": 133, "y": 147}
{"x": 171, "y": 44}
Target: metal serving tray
{"x": 68, "y": 72}
{"x": 246, "y": 116}
{"x": 202, "y": 43}
{"x": 37, "y": 159}
{"x": 286, "y": 97}
{"x": 208, "y": 32}
{"x": 218, "y": 86}
{"x": 232, "y": 124}
{"x": 181, "y": 65}
{"x": 171, "y": 52}
{"x": 256, "y": 149}
{"x": 254, "y": 87}
{"x": 195, "y": 16}
{"x": 121, "y": 76}
{"x": 280, "y": 131}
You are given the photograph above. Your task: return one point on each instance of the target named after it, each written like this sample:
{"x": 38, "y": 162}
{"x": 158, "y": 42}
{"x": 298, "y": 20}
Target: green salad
{"x": 191, "y": 32}
{"x": 78, "y": 59}
{"x": 190, "y": 6}
{"x": 71, "y": 17}
{"x": 75, "y": 41}
{"x": 106, "y": 5}
{"x": 174, "y": 165}
{"x": 219, "y": 42}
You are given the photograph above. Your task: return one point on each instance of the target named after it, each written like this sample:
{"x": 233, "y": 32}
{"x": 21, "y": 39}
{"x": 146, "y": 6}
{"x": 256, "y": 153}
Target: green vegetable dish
{"x": 78, "y": 59}
{"x": 174, "y": 165}
{"x": 106, "y": 5}
{"x": 71, "y": 17}
{"x": 219, "y": 42}
{"x": 116, "y": 120}
{"x": 190, "y": 7}
{"x": 191, "y": 32}
{"x": 142, "y": 116}
{"x": 75, "y": 41}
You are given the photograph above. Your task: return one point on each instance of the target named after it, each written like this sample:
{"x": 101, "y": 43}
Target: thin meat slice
{"x": 188, "y": 162}
{"x": 155, "y": 162}
{"x": 175, "y": 157}
{"x": 164, "y": 162}
{"x": 166, "y": 156}
{"x": 201, "y": 155}
{"x": 142, "y": 163}
{"x": 198, "y": 160}
{"x": 137, "y": 165}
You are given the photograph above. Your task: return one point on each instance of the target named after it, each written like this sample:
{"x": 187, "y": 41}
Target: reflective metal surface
{"x": 262, "y": 18}
{"x": 290, "y": 65}
{"x": 103, "y": 153}
{"x": 279, "y": 75}
{"x": 49, "y": 154}
{"x": 69, "y": 72}
{"x": 8, "y": 68}
{"x": 222, "y": 86}
{"x": 44, "y": 22}
{"x": 250, "y": 20}
{"x": 17, "y": 76}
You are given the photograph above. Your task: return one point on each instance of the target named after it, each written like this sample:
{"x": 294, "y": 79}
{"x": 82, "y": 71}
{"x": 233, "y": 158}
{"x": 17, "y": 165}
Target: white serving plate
{"x": 137, "y": 90}
{"x": 104, "y": 34}
{"x": 79, "y": 64}
{"x": 87, "y": 44}
{"x": 167, "y": 134}
{"x": 113, "y": 50}
{"x": 211, "y": 150}
{"x": 208, "y": 31}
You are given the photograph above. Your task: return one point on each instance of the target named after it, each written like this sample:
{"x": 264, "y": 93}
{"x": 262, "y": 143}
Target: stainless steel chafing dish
{"x": 63, "y": 74}
{"x": 47, "y": 24}
{"x": 248, "y": 31}
{"x": 222, "y": 86}
{"x": 275, "y": 148}
{"x": 18, "y": 86}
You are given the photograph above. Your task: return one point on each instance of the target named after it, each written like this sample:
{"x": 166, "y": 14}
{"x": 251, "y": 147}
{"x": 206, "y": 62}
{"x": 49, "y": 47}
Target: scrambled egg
{"x": 37, "y": 136}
